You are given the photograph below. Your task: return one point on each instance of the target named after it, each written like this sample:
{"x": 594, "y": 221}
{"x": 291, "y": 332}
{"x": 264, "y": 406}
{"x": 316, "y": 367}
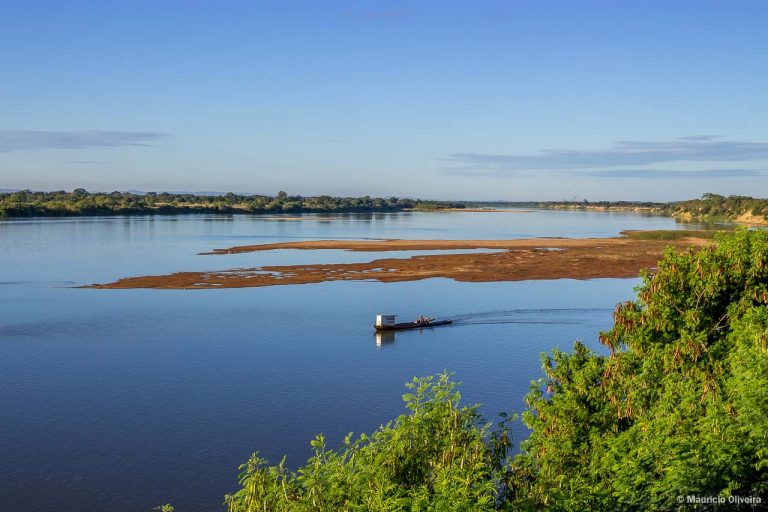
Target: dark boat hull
{"x": 411, "y": 325}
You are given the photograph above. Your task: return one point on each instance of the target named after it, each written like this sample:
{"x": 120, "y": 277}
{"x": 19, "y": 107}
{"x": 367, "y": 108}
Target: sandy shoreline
{"x": 527, "y": 259}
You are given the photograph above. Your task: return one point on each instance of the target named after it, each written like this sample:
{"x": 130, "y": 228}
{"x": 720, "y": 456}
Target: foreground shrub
{"x": 439, "y": 456}
{"x": 678, "y": 408}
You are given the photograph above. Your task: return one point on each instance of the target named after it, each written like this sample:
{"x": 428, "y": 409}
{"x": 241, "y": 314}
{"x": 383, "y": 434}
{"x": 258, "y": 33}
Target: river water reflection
{"x": 126, "y": 399}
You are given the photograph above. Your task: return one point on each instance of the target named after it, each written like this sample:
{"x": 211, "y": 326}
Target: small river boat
{"x": 389, "y": 323}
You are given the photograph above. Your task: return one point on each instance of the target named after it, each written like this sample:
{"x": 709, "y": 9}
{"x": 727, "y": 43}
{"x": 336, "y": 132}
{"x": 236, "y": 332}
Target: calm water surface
{"x": 126, "y": 399}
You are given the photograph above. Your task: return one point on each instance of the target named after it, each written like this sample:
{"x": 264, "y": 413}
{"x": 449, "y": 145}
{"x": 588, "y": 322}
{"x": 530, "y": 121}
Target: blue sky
{"x": 511, "y": 100}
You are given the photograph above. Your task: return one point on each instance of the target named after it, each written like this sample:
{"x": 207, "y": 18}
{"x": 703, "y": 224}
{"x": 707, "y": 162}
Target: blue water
{"x": 126, "y": 399}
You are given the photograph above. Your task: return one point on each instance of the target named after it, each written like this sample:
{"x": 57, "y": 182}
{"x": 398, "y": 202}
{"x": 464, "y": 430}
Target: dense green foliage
{"x": 713, "y": 207}
{"x": 438, "y": 457}
{"x": 80, "y": 202}
{"x": 677, "y": 407}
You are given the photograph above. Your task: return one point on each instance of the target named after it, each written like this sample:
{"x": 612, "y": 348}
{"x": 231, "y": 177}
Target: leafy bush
{"x": 440, "y": 456}
{"x": 678, "y": 408}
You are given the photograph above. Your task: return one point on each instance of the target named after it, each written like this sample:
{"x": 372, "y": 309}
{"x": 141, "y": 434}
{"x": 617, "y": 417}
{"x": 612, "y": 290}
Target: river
{"x": 127, "y": 399}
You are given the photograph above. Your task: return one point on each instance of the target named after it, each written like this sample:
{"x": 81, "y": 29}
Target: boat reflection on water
{"x": 384, "y": 338}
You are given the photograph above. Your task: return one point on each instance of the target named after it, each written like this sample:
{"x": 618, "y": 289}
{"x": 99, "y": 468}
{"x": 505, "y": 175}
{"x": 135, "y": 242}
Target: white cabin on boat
{"x": 385, "y": 320}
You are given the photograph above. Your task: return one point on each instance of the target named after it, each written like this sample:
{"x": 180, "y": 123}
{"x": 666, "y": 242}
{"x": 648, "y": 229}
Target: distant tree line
{"x": 26, "y": 203}
{"x": 713, "y": 207}
{"x": 80, "y": 202}
{"x": 573, "y": 205}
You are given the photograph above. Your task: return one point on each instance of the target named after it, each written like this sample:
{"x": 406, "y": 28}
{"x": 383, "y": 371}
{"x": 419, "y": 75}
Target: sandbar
{"x": 528, "y": 259}
{"x": 395, "y": 244}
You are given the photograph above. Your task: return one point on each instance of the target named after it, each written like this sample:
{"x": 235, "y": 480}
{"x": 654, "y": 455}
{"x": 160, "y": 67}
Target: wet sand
{"x": 529, "y": 259}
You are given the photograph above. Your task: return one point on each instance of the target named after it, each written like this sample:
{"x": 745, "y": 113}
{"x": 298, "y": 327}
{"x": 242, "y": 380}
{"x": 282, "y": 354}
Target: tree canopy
{"x": 678, "y": 408}
{"x": 714, "y": 207}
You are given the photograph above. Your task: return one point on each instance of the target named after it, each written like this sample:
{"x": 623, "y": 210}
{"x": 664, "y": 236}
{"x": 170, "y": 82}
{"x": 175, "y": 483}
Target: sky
{"x": 486, "y": 100}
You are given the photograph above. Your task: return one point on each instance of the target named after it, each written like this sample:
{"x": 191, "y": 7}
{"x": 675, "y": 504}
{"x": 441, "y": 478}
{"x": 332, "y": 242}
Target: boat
{"x": 388, "y": 323}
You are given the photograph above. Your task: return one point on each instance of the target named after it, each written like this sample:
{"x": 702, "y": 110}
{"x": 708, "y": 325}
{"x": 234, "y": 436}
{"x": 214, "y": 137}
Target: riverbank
{"x": 514, "y": 260}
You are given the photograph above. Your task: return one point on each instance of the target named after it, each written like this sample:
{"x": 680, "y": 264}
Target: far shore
{"x": 518, "y": 260}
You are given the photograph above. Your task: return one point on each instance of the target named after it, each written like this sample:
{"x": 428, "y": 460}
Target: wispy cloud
{"x": 698, "y": 148}
{"x": 653, "y": 174}
{"x": 20, "y": 140}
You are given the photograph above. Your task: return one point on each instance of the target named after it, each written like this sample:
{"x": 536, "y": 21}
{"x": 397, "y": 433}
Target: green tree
{"x": 438, "y": 457}
{"x": 679, "y": 406}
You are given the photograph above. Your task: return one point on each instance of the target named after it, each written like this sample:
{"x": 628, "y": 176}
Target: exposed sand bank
{"x": 748, "y": 219}
{"x": 530, "y": 259}
{"x": 404, "y": 245}
{"x": 436, "y": 245}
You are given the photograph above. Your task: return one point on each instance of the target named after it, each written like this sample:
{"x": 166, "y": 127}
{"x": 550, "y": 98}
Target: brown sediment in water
{"x": 518, "y": 260}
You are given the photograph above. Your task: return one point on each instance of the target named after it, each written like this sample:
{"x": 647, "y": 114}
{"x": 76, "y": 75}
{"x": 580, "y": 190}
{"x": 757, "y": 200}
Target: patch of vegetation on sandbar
{"x": 672, "y": 234}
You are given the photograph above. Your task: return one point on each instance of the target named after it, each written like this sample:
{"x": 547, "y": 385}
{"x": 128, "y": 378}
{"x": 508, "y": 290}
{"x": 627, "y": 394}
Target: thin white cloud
{"x": 699, "y": 148}
{"x": 654, "y": 174}
{"x": 701, "y": 137}
{"x": 28, "y": 140}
